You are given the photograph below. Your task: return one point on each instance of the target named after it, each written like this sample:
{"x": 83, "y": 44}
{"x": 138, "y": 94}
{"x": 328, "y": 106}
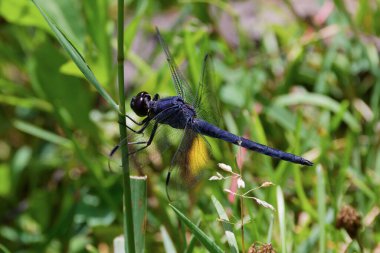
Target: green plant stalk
{"x": 242, "y": 223}
{"x": 129, "y": 241}
{"x": 321, "y": 198}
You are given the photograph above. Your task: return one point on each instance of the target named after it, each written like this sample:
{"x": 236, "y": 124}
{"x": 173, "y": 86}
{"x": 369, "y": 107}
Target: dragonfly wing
{"x": 188, "y": 164}
{"x": 206, "y": 104}
{"x": 182, "y": 87}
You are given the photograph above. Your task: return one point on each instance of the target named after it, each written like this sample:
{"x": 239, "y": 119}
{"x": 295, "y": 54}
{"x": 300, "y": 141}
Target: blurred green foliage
{"x": 306, "y": 80}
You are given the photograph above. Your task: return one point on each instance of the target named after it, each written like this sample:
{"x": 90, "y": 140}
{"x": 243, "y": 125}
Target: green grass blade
{"x": 41, "y": 133}
{"x": 26, "y": 102}
{"x": 270, "y": 230}
{"x": 299, "y": 184}
{"x": 77, "y": 58}
{"x": 129, "y": 232}
{"x": 139, "y": 204}
{"x": 168, "y": 243}
{"x": 191, "y": 245}
{"x": 321, "y": 208}
{"x": 3, "y": 249}
{"x": 321, "y": 101}
{"x": 199, "y": 234}
{"x": 336, "y": 120}
{"x": 281, "y": 217}
{"x": 228, "y": 229}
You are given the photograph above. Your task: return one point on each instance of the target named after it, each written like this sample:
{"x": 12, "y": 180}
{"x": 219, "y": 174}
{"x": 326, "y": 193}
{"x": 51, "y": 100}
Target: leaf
{"x": 168, "y": 243}
{"x": 318, "y": 100}
{"x": 68, "y": 14}
{"x": 5, "y": 180}
{"x": 77, "y": 58}
{"x": 61, "y": 91}
{"x": 41, "y": 133}
{"x": 4, "y": 249}
{"x": 26, "y": 102}
{"x": 199, "y": 234}
{"x": 139, "y": 204}
{"x": 231, "y": 239}
{"x": 321, "y": 198}
{"x": 281, "y": 217}
{"x": 21, "y": 12}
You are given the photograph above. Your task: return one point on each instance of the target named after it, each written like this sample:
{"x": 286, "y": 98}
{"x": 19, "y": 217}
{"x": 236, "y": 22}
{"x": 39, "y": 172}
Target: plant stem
{"x": 242, "y": 222}
{"x": 129, "y": 241}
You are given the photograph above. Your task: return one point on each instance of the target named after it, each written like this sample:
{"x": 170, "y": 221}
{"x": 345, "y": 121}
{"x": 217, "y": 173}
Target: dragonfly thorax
{"x": 173, "y": 111}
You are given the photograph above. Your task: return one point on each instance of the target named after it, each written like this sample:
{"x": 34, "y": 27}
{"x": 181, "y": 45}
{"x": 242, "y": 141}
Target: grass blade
{"x": 4, "y": 249}
{"x": 321, "y": 208}
{"x": 228, "y": 229}
{"x": 41, "y": 133}
{"x": 281, "y": 217}
{"x": 168, "y": 243}
{"x": 77, "y": 58}
{"x": 139, "y": 203}
{"x": 127, "y": 196}
{"x": 319, "y": 100}
{"x": 138, "y": 186}
{"x": 199, "y": 234}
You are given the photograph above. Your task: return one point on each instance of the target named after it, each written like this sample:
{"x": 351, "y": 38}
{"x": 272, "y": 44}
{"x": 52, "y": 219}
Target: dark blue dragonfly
{"x": 184, "y": 112}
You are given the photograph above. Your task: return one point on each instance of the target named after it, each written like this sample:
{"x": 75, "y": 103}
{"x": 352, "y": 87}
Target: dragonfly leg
{"x": 140, "y": 131}
{"x": 134, "y": 121}
{"x": 145, "y": 123}
{"x": 147, "y": 143}
{"x": 131, "y": 129}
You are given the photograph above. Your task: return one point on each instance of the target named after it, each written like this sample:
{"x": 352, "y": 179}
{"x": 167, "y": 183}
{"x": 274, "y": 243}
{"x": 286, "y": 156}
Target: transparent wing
{"x": 206, "y": 104}
{"x": 188, "y": 165}
{"x": 182, "y": 87}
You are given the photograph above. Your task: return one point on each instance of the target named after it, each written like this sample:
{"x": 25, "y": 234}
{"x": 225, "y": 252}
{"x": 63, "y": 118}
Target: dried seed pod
{"x": 349, "y": 219}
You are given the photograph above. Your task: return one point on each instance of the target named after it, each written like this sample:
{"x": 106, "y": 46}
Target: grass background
{"x": 299, "y": 76}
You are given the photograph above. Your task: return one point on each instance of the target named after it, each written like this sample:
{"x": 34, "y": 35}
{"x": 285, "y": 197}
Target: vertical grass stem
{"x": 127, "y": 201}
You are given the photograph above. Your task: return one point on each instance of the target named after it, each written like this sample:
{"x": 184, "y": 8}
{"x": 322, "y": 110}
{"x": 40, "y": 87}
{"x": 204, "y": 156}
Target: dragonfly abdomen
{"x": 208, "y": 129}
{"x": 273, "y": 152}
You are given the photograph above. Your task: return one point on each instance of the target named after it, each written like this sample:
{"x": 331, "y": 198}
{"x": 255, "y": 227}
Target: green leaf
{"x": 321, "y": 198}
{"x": 318, "y": 100}
{"x": 139, "y": 204}
{"x": 138, "y": 189}
{"x": 97, "y": 22}
{"x": 67, "y": 13}
{"x": 20, "y": 161}
{"x": 199, "y": 234}
{"x": 77, "y": 58}
{"x": 281, "y": 217}
{"x": 168, "y": 243}
{"x": 4, "y": 249}
{"x": 62, "y": 91}
{"x": 21, "y": 12}
{"x": 26, "y": 102}
{"x": 5, "y": 180}
{"x": 41, "y": 133}
{"x": 228, "y": 228}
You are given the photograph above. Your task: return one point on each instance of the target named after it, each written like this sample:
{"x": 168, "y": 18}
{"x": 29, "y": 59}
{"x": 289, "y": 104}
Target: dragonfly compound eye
{"x": 140, "y": 103}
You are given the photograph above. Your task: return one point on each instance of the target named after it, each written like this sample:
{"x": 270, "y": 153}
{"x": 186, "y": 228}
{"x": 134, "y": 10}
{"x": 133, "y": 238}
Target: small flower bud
{"x": 240, "y": 183}
{"x": 225, "y": 167}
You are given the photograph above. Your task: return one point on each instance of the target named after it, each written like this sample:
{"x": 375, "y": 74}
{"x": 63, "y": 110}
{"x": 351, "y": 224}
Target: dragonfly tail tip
{"x": 308, "y": 163}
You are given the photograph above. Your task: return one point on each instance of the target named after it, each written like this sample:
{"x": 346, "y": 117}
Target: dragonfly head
{"x": 140, "y": 103}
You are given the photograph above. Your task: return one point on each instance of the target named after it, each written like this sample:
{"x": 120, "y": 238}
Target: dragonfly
{"x": 184, "y": 112}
